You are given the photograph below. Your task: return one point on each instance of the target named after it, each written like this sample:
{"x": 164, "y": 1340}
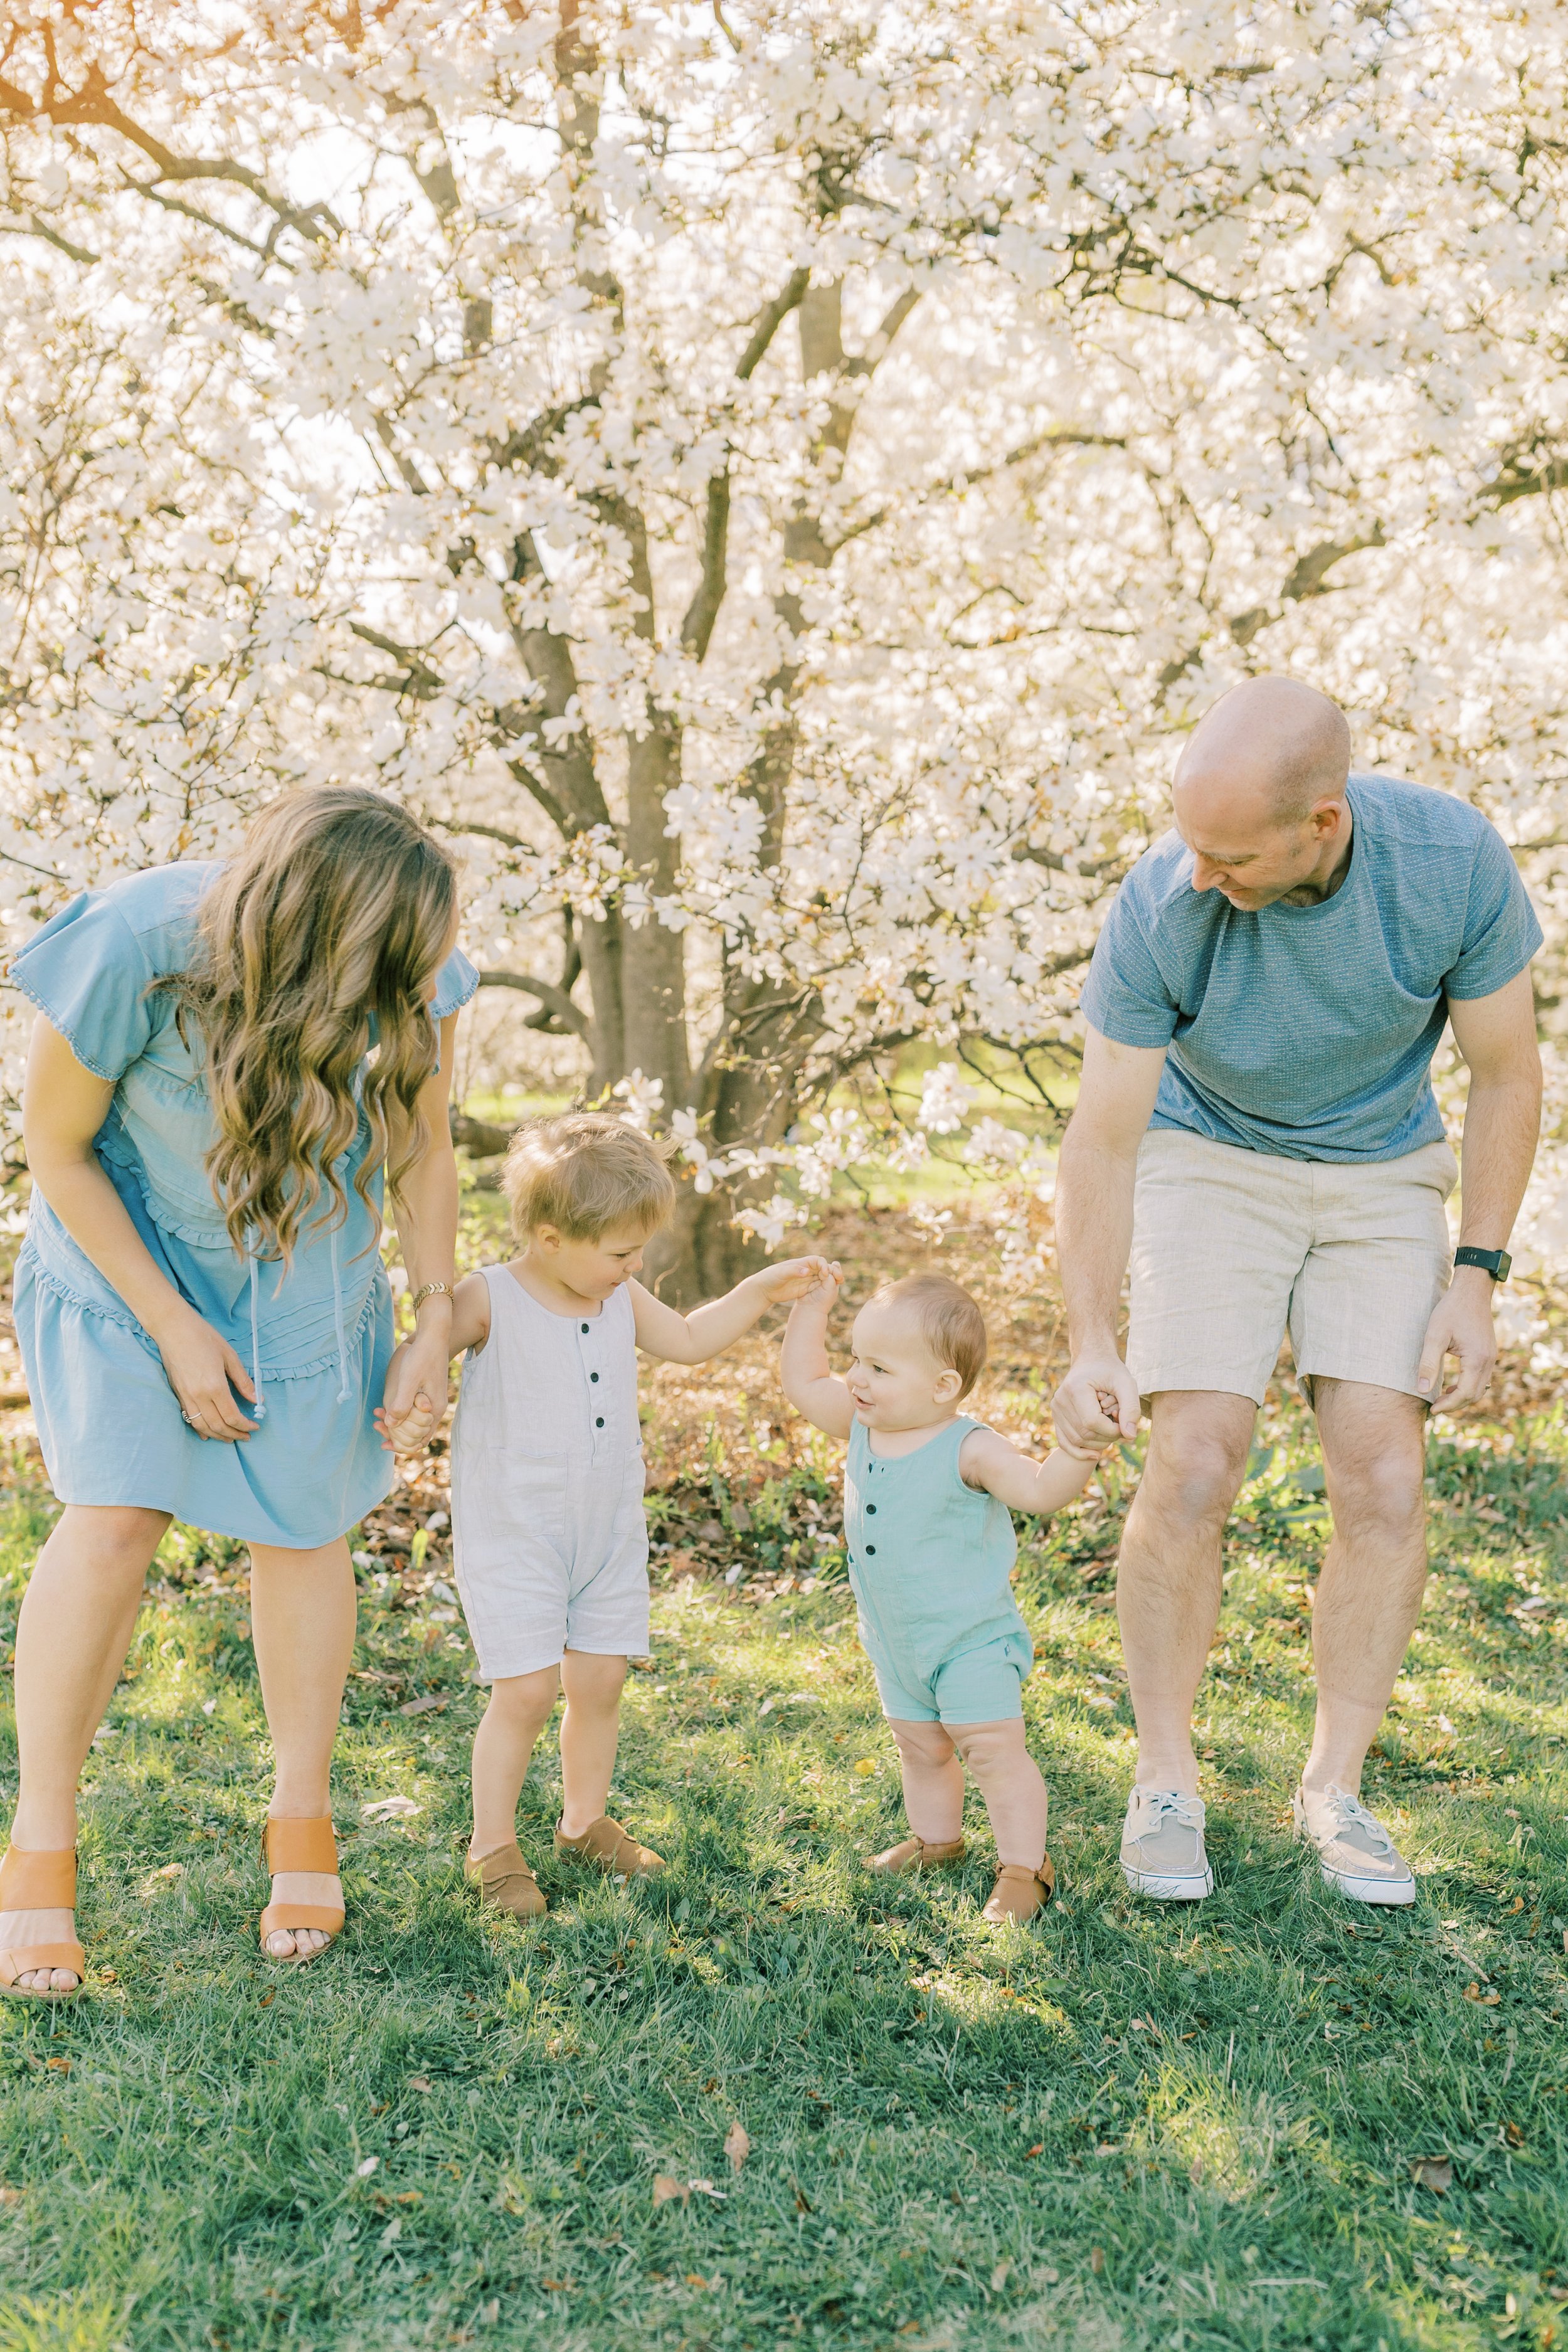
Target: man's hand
{"x": 799, "y": 1277}
{"x": 1097, "y": 1403}
{"x": 1462, "y": 1326}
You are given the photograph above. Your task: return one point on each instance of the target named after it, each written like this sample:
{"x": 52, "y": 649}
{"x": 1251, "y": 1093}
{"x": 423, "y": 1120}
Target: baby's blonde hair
{"x": 583, "y": 1173}
{"x": 951, "y": 1323}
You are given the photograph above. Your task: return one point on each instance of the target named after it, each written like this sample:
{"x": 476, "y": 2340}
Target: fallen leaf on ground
{"x": 370, "y": 2164}
{"x": 59, "y": 2065}
{"x": 1038, "y": 2148}
{"x": 1096, "y": 2260}
{"x": 394, "y": 1808}
{"x": 557, "y": 2286}
{"x": 695, "y": 2278}
{"x": 9, "y": 2195}
{"x": 737, "y": 2145}
{"x": 1436, "y": 2172}
{"x": 802, "y": 2202}
{"x": 706, "y": 2188}
{"x": 999, "y": 2277}
{"x": 419, "y": 2082}
{"x": 266, "y": 2000}
{"x": 1514, "y": 2134}
{"x": 428, "y": 1705}
{"x": 666, "y": 2186}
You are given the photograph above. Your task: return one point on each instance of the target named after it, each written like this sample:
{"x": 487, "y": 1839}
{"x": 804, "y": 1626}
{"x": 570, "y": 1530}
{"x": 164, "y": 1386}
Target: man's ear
{"x": 947, "y": 1387}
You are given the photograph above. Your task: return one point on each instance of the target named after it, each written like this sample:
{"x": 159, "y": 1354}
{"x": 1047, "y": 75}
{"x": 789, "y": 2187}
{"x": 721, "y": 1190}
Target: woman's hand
{"x": 204, "y": 1371}
{"x": 414, "y": 1396}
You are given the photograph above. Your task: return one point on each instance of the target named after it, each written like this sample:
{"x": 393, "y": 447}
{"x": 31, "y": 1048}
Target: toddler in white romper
{"x": 549, "y": 1538}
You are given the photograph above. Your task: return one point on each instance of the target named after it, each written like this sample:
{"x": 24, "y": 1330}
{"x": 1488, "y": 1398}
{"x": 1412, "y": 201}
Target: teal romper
{"x": 930, "y": 1560}
{"x": 316, "y": 1337}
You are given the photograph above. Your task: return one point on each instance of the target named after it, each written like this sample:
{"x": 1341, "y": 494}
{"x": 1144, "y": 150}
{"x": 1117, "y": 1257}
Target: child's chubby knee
{"x": 920, "y": 1742}
{"x": 526, "y": 1694}
{"x": 989, "y": 1747}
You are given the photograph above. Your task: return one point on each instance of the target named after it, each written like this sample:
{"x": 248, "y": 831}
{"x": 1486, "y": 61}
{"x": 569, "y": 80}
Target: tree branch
{"x": 546, "y": 991}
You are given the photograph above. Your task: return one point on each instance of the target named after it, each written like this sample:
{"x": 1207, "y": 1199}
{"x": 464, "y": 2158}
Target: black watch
{"x": 1496, "y": 1262}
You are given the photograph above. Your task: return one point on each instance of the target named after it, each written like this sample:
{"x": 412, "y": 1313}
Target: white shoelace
{"x": 1351, "y": 1813}
{"x": 1163, "y": 1802}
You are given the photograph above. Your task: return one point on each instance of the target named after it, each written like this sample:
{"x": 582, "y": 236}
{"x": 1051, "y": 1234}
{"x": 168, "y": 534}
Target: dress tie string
{"x": 259, "y": 1407}
{"x": 343, "y": 1389}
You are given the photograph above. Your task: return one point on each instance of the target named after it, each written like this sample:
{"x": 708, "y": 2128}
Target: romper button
{"x": 584, "y": 1327}
{"x": 870, "y": 1510}
{"x": 871, "y": 1547}
{"x": 592, "y": 1376}
{"x": 600, "y": 1423}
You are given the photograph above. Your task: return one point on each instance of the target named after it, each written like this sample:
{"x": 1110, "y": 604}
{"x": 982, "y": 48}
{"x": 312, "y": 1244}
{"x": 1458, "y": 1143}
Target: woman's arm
{"x": 425, "y": 1213}
{"x": 986, "y": 1460}
{"x": 63, "y": 1107}
{"x": 708, "y": 1330}
{"x": 803, "y": 1372}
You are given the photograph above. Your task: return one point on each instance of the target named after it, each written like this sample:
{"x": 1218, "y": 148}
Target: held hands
{"x": 1096, "y": 1404}
{"x": 414, "y": 1396}
{"x": 1462, "y": 1326}
{"x": 796, "y": 1278}
{"x": 204, "y": 1371}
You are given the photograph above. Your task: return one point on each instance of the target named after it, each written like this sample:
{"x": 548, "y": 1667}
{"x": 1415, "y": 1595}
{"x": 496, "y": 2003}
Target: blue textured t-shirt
{"x": 1309, "y": 1032}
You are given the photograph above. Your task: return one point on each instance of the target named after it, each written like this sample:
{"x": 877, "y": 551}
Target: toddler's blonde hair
{"x": 951, "y": 1323}
{"x": 583, "y": 1173}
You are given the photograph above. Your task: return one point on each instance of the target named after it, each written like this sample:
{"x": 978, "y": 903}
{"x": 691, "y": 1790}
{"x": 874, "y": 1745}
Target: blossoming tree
{"x": 768, "y": 479}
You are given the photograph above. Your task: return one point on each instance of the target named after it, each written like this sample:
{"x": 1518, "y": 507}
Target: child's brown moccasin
{"x": 1019, "y": 1893}
{"x": 506, "y": 1883}
{"x": 917, "y": 1853}
{"x": 609, "y": 1846}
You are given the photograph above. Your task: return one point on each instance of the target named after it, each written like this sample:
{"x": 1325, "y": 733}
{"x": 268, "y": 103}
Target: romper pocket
{"x": 512, "y": 1497}
{"x": 631, "y": 1521}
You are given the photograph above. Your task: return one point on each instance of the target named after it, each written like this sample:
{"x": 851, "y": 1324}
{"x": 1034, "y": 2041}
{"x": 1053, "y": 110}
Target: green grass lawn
{"x": 1127, "y": 2127}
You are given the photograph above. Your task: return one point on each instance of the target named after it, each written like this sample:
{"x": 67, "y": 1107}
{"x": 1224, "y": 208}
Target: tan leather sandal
{"x": 606, "y": 1844}
{"x": 300, "y": 1845}
{"x": 917, "y": 1853}
{"x": 39, "y": 1882}
{"x": 506, "y": 1883}
{"x": 1019, "y": 1893}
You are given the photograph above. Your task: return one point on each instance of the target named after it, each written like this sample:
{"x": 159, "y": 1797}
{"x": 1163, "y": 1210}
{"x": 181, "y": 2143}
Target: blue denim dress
{"x": 316, "y": 1338}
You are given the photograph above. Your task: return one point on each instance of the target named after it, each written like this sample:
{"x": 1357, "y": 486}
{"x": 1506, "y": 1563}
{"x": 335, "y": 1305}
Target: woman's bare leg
{"x": 78, "y": 1616}
{"x": 302, "y": 1622}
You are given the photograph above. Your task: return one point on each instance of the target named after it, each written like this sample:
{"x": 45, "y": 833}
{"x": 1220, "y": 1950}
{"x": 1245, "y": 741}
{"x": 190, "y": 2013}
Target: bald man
{"x": 1256, "y": 1129}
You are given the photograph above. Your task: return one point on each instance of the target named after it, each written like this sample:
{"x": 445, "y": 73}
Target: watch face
{"x": 1504, "y": 1265}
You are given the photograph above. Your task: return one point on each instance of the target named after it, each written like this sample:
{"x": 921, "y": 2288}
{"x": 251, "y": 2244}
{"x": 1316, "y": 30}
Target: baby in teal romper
{"x": 927, "y": 1501}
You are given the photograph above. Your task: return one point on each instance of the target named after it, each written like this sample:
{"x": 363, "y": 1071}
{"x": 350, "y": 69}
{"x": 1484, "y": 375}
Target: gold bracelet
{"x": 428, "y": 1290}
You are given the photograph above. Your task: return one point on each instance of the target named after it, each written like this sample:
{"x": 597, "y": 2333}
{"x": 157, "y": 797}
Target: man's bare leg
{"x": 1374, "y": 1572}
{"x": 1168, "y": 1582}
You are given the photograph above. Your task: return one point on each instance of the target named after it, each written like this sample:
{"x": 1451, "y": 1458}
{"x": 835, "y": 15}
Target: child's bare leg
{"x": 590, "y": 1734}
{"x": 518, "y": 1712}
{"x": 1009, "y": 1779}
{"x": 933, "y": 1780}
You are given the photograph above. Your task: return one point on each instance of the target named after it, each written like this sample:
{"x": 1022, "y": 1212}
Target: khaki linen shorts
{"x": 1231, "y": 1249}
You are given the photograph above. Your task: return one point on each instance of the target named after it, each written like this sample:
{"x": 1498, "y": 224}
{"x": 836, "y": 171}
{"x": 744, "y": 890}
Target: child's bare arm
{"x": 987, "y": 1461}
{"x": 471, "y": 1314}
{"x": 708, "y": 1330}
{"x": 803, "y": 1371}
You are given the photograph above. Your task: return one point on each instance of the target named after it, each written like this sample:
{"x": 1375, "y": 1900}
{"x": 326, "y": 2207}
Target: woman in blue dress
{"x": 229, "y": 1059}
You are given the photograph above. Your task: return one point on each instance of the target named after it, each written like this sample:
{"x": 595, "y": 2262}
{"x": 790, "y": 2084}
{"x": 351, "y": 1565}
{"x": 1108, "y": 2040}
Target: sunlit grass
{"x": 1126, "y": 2127}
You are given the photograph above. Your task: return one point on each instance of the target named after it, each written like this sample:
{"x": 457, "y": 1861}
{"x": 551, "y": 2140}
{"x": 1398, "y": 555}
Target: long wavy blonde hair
{"x": 336, "y": 914}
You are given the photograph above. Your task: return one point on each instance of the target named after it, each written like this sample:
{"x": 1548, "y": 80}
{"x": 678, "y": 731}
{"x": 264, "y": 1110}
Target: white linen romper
{"x": 549, "y": 1539}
